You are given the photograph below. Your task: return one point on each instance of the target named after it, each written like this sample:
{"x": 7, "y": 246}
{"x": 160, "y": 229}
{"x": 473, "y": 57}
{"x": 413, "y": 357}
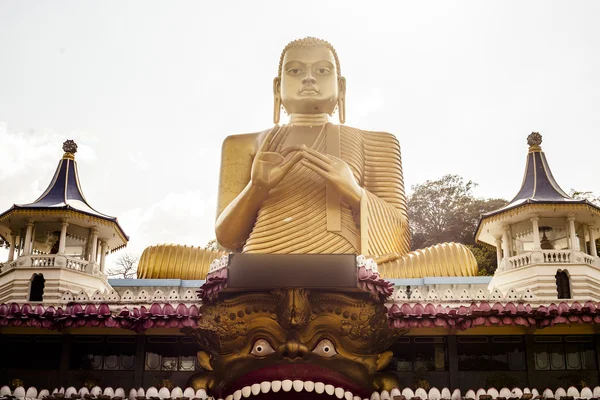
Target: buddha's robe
{"x": 302, "y": 216}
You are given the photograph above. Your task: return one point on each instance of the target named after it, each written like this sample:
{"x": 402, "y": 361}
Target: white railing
{"x": 42, "y": 261}
{"x": 557, "y": 256}
{"x": 520, "y": 261}
{"x": 548, "y": 257}
{"x": 77, "y": 264}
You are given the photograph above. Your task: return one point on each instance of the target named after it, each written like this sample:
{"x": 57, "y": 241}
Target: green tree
{"x": 445, "y": 210}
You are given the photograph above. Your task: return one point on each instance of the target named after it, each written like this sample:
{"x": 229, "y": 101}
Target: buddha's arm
{"x": 238, "y": 201}
{"x": 384, "y": 219}
{"x": 247, "y": 176}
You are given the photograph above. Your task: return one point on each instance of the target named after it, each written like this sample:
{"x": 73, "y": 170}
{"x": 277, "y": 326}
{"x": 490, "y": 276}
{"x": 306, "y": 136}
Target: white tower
{"x": 545, "y": 240}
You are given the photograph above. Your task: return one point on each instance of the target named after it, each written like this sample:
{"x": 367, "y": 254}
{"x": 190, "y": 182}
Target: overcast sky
{"x": 150, "y": 89}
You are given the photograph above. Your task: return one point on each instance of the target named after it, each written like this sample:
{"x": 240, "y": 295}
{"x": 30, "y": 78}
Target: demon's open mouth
{"x": 302, "y": 381}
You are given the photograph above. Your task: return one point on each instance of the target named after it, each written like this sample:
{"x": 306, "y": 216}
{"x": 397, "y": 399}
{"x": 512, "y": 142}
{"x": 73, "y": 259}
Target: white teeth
{"x": 329, "y": 389}
{"x": 375, "y": 396}
{"x": 339, "y": 393}
{"x": 385, "y": 395}
{"x": 237, "y": 395}
{"x": 298, "y": 385}
{"x": 356, "y": 398}
{"x": 255, "y": 389}
{"x": 348, "y": 396}
{"x": 230, "y": 397}
{"x": 319, "y": 387}
{"x": 246, "y": 391}
{"x": 286, "y": 385}
{"x": 265, "y": 387}
{"x": 275, "y": 386}
{"x": 309, "y": 386}
{"x": 395, "y": 392}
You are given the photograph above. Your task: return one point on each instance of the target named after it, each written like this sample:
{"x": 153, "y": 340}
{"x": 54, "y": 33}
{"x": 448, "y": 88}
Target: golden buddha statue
{"x": 311, "y": 186}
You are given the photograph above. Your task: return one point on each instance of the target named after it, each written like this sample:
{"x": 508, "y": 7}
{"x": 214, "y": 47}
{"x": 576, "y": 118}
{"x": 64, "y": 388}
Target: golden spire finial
{"x": 534, "y": 140}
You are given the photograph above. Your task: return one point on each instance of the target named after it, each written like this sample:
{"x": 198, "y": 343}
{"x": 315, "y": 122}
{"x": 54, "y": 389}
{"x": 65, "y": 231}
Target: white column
{"x": 499, "y": 250}
{"x": 511, "y": 248}
{"x": 63, "y": 237}
{"x": 103, "y": 249}
{"x": 13, "y": 243}
{"x": 571, "y": 220}
{"x": 505, "y": 247}
{"x": 582, "y": 242}
{"x": 536, "y": 233}
{"x": 27, "y": 243}
{"x": 94, "y": 245}
{"x": 593, "y": 251}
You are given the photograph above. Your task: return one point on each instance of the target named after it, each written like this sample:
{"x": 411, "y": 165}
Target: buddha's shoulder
{"x": 373, "y": 137}
{"x": 243, "y": 141}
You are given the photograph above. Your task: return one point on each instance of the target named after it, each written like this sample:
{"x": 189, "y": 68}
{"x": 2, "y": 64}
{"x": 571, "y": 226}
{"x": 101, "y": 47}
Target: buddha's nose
{"x": 309, "y": 79}
{"x": 292, "y": 349}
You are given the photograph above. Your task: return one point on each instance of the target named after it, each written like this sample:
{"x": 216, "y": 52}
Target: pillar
{"x": 536, "y": 233}
{"x": 582, "y": 242}
{"x": 63, "y": 237}
{"x": 103, "y": 249}
{"x": 593, "y": 251}
{"x": 94, "y": 245}
{"x": 13, "y": 243}
{"x": 453, "y": 362}
{"x": 571, "y": 221}
{"x": 505, "y": 247}
{"x": 27, "y": 243}
{"x": 498, "y": 250}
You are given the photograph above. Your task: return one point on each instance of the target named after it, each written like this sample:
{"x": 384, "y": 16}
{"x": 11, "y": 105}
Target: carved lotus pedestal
{"x": 290, "y": 326}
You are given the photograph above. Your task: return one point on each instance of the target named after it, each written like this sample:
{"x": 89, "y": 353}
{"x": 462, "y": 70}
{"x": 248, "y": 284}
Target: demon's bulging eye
{"x": 262, "y": 348}
{"x": 325, "y": 348}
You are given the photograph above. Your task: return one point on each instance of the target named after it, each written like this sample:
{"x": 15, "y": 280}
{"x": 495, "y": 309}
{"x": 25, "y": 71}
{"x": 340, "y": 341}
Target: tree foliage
{"x": 592, "y": 198}
{"x": 126, "y": 267}
{"x": 445, "y": 210}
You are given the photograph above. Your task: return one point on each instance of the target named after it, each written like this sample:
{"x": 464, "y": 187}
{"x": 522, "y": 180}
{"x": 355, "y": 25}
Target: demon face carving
{"x": 294, "y": 341}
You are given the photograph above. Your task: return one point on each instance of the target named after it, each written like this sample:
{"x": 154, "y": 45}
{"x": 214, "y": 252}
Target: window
{"x": 170, "y": 353}
{"x": 562, "y": 285}
{"x": 19, "y": 351}
{"x": 564, "y": 352}
{"x": 491, "y": 353}
{"x": 419, "y": 354}
{"x": 112, "y": 353}
{"x": 36, "y": 292}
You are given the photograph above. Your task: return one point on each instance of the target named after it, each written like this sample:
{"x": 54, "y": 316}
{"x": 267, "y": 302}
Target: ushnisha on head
{"x": 309, "y": 80}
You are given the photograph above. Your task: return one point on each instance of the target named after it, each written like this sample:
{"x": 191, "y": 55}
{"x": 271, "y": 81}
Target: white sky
{"x": 150, "y": 89}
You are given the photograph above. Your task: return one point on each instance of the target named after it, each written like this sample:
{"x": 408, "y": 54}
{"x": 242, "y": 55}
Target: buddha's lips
{"x": 302, "y": 372}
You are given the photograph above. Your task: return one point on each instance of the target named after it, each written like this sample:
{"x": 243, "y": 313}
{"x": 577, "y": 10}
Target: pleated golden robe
{"x": 302, "y": 216}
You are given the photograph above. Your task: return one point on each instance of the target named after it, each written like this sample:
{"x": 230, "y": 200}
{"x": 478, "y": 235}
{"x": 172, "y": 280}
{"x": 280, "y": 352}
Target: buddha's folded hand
{"x": 269, "y": 168}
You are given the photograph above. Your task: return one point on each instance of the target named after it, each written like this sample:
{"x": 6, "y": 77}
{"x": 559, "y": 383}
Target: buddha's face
{"x": 309, "y": 82}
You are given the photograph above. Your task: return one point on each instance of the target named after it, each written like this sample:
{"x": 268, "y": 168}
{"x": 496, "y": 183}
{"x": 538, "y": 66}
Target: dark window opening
{"x": 562, "y": 285}
{"x": 564, "y": 353}
{"x": 36, "y": 293}
{"x": 491, "y": 353}
{"x": 171, "y": 353}
{"x": 419, "y": 354}
{"x": 110, "y": 353}
{"x": 18, "y": 351}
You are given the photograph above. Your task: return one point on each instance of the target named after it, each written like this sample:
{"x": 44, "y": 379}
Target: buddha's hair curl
{"x": 309, "y": 42}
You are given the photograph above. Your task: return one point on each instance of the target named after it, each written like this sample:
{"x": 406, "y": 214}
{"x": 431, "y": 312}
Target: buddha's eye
{"x": 294, "y": 71}
{"x": 325, "y": 348}
{"x": 323, "y": 71}
{"x": 262, "y": 348}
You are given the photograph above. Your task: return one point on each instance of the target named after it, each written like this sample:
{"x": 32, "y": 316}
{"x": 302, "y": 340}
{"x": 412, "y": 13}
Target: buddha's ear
{"x": 342, "y": 99}
{"x": 276, "y": 100}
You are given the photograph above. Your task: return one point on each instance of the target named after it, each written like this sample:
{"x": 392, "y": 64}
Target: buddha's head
{"x": 296, "y": 336}
{"x": 309, "y": 79}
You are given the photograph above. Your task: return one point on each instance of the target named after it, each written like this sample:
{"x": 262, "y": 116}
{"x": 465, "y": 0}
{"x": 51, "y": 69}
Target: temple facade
{"x": 313, "y": 290}
{"x": 530, "y": 327}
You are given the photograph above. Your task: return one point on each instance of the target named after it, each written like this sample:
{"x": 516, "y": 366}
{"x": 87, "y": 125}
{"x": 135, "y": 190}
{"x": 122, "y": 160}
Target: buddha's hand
{"x": 335, "y": 171}
{"x": 268, "y": 167}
